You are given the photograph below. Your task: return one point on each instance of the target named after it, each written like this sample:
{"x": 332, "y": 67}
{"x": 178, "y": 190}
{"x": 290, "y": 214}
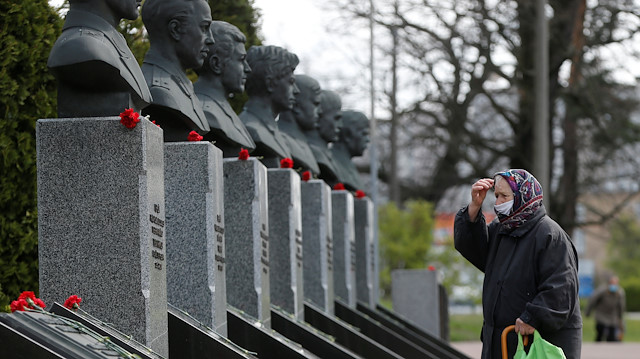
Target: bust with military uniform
{"x": 96, "y": 72}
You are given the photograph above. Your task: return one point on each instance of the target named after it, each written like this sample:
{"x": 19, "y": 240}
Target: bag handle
{"x": 504, "y": 340}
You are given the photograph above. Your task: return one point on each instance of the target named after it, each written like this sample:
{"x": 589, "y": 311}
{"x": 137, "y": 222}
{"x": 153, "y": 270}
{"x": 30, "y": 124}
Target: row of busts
{"x": 286, "y": 115}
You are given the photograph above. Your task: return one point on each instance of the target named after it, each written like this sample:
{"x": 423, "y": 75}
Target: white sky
{"x": 339, "y": 61}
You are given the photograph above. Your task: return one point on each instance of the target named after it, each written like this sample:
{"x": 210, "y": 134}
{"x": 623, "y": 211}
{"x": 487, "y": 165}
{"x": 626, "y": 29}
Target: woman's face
{"x": 502, "y": 190}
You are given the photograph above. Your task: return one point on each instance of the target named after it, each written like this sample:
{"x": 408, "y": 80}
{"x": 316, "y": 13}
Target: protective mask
{"x": 613, "y": 288}
{"x": 503, "y": 208}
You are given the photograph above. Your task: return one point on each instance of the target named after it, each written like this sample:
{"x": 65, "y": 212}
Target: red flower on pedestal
{"x": 306, "y": 175}
{"x": 73, "y": 302}
{"x": 129, "y": 118}
{"x": 338, "y": 186}
{"x": 27, "y": 299}
{"x": 244, "y": 154}
{"x": 19, "y": 305}
{"x": 194, "y": 137}
{"x": 431, "y": 268}
{"x": 286, "y": 163}
{"x": 360, "y": 194}
{"x": 154, "y": 122}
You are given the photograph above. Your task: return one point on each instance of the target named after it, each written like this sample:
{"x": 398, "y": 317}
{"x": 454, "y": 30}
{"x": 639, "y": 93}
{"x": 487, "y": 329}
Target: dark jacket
{"x": 530, "y": 273}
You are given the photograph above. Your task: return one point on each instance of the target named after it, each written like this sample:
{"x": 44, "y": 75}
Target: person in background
{"x": 529, "y": 262}
{"x": 608, "y": 302}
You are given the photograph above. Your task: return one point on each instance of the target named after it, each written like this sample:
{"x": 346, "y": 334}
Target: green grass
{"x": 466, "y": 327}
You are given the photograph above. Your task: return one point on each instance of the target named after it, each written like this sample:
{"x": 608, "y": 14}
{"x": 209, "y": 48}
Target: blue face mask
{"x": 613, "y": 288}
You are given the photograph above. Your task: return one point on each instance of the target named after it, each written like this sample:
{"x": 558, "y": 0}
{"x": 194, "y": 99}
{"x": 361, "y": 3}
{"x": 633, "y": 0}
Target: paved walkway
{"x": 589, "y": 350}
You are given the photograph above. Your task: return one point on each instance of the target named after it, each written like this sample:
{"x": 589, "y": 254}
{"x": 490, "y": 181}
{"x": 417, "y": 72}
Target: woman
{"x": 530, "y": 265}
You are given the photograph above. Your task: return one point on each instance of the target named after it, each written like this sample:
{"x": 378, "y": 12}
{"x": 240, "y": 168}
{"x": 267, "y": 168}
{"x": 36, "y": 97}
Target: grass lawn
{"x": 466, "y": 327}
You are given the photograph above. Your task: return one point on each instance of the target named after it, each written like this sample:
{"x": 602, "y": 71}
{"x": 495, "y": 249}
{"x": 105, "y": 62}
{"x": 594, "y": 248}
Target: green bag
{"x": 539, "y": 349}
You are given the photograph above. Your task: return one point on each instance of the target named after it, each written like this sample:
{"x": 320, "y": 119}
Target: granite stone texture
{"x": 317, "y": 244}
{"x": 365, "y": 251}
{"x": 194, "y": 204}
{"x": 285, "y": 241}
{"x": 247, "y": 237}
{"x": 415, "y": 295}
{"x": 344, "y": 242}
{"x": 101, "y": 222}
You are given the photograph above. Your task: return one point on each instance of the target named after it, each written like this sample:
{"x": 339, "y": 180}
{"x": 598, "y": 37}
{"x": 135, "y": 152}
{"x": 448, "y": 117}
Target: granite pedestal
{"x": 285, "y": 241}
{"x": 344, "y": 260}
{"x": 247, "y": 237}
{"x": 415, "y": 295}
{"x": 194, "y": 205}
{"x": 365, "y": 251}
{"x": 101, "y": 221}
{"x": 317, "y": 244}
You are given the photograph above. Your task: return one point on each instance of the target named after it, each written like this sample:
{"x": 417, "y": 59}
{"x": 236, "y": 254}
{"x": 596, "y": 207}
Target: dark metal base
{"x": 43, "y": 335}
{"x": 188, "y": 338}
{"x": 346, "y": 335}
{"x": 106, "y": 330}
{"x": 410, "y": 331}
{"x": 310, "y": 338}
{"x": 263, "y": 342}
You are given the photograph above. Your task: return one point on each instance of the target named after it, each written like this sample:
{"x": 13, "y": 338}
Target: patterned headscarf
{"x": 527, "y": 197}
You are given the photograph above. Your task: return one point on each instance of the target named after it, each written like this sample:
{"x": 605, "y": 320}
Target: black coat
{"x": 530, "y": 273}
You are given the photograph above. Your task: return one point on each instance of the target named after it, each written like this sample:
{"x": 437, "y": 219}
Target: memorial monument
{"x": 302, "y": 117}
{"x": 353, "y": 140}
{"x": 224, "y": 73}
{"x": 96, "y": 72}
{"x": 179, "y": 35}
{"x": 271, "y": 88}
{"x": 325, "y": 133}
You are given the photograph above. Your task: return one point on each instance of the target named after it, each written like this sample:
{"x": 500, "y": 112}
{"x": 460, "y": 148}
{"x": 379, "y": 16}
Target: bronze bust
{"x": 179, "y": 35}
{"x": 97, "y": 73}
{"x": 271, "y": 88}
{"x": 303, "y": 117}
{"x": 353, "y": 140}
{"x": 224, "y": 73}
{"x": 326, "y": 133}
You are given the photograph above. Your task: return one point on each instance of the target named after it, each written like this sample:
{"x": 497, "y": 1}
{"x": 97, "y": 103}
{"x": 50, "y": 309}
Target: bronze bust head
{"x": 271, "y": 88}
{"x": 302, "y": 117}
{"x": 179, "y": 35}
{"x": 352, "y": 142}
{"x": 223, "y": 74}
{"x": 97, "y": 73}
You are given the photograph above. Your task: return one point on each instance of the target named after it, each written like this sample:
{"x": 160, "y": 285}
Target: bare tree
{"x": 471, "y": 103}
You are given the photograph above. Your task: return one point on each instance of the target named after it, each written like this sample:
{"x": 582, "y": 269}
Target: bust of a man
{"x": 329, "y": 122}
{"x": 303, "y": 117}
{"x": 97, "y": 73}
{"x": 352, "y": 141}
{"x": 224, "y": 73}
{"x": 179, "y": 37}
{"x": 271, "y": 88}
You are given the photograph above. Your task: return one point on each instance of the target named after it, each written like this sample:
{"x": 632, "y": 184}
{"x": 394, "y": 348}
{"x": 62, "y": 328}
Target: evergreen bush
{"x": 28, "y": 30}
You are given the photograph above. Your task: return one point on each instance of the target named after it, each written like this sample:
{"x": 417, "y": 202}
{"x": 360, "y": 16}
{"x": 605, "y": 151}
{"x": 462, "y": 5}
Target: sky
{"x": 336, "y": 56}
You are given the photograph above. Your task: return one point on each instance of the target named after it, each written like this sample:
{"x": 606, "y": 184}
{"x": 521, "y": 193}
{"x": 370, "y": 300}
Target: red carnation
{"x": 286, "y": 163}
{"x": 27, "y": 299}
{"x": 19, "y": 305}
{"x": 27, "y": 294}
{"x": 244, "y": 154}
{"x": 338, "y": 186}
{"x": 73, "y": 302}
{"x": 194, "y": 137}
{"x": 129, "y": 118}
{"x": 306, "y": 175}
{"x": 360, "y": 194}
{"x": 431, "y": 268}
